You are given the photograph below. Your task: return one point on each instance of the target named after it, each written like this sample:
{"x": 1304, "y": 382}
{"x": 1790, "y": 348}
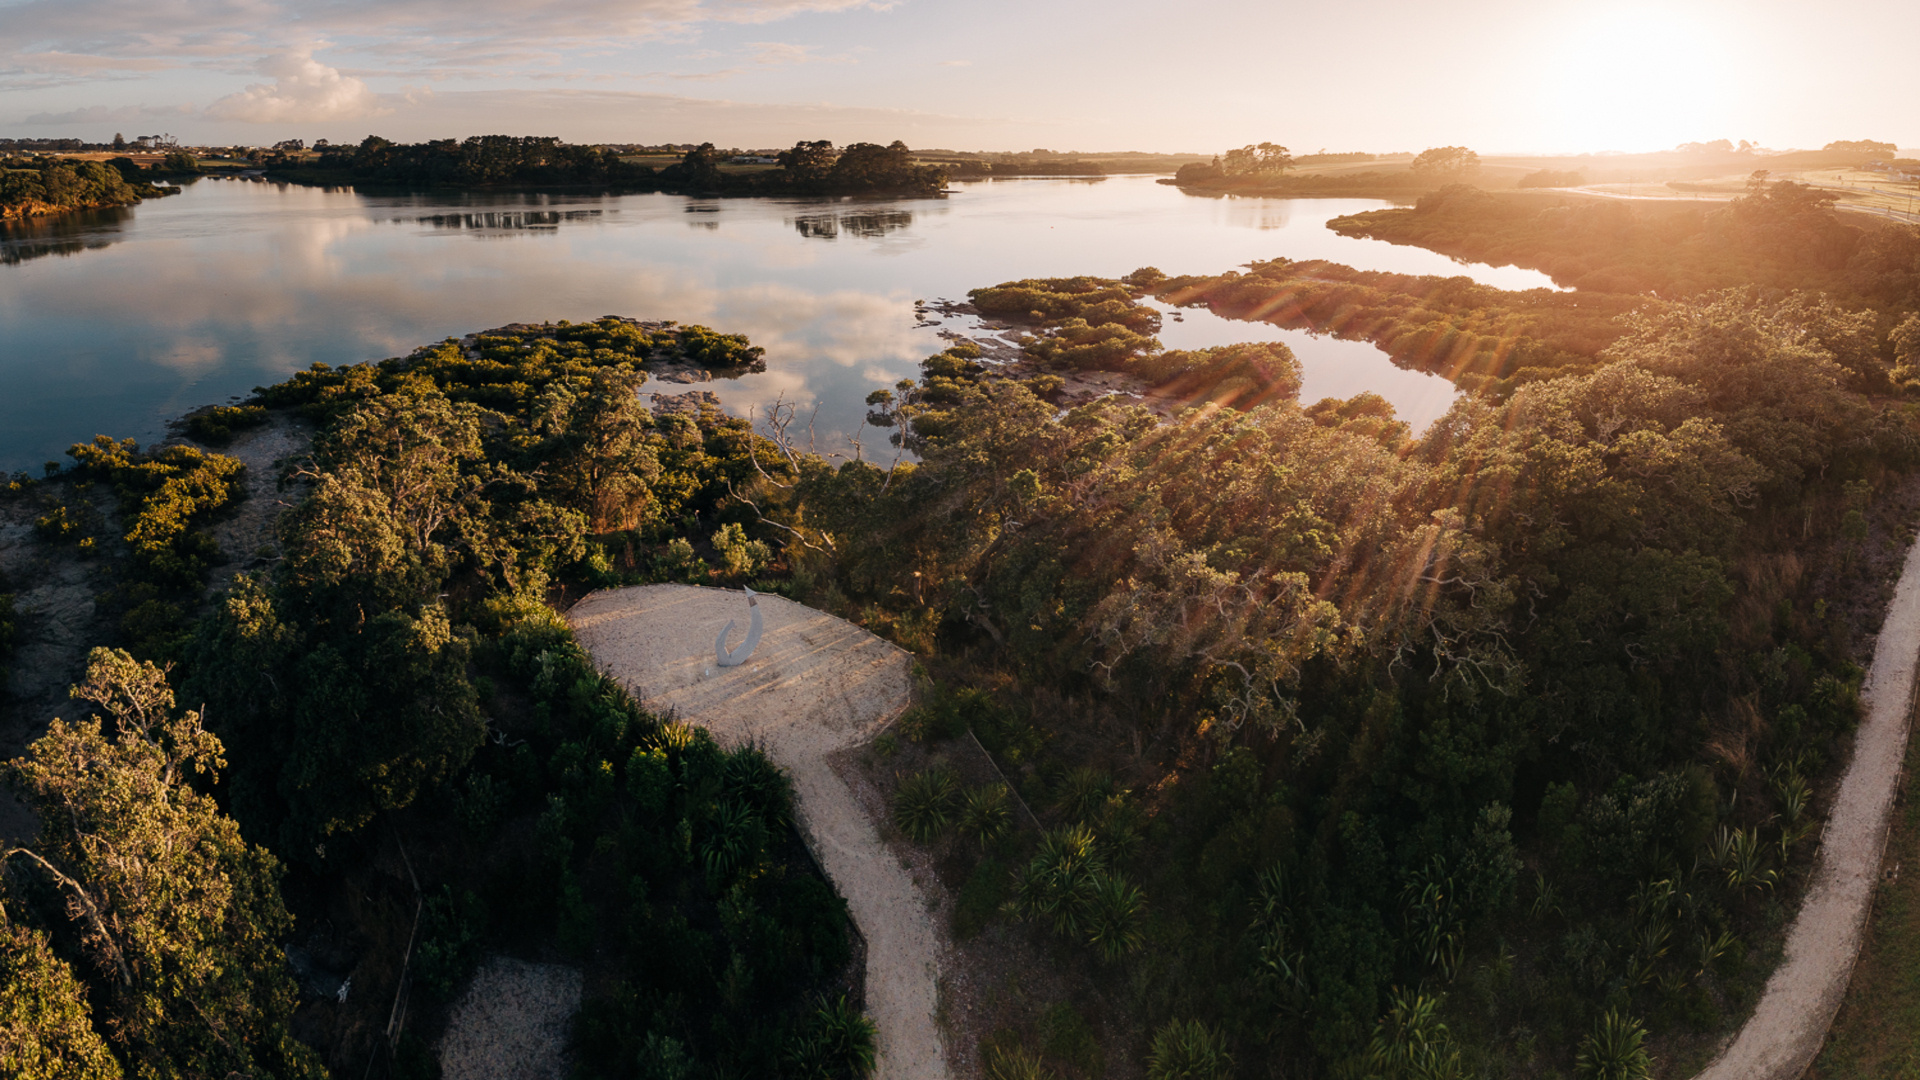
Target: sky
{"x": 1501, "y": 76}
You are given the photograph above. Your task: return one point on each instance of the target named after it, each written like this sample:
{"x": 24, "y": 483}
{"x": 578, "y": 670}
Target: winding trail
{"x": 816, "y": 685}
{"x": 1790, "y": 1024}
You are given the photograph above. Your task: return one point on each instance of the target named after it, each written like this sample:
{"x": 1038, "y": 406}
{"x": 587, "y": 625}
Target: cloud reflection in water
{"x": 228, "y": 286}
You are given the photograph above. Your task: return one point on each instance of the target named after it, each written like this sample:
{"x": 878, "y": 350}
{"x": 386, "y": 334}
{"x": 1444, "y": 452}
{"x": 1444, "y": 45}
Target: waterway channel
{"x": 114, "y": 322}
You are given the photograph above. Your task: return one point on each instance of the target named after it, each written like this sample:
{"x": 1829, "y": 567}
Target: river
{"x": 114, "y": 322}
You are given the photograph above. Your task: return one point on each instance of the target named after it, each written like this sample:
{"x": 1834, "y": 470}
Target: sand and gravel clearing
{"x": 512, "y": 1023}
{"x": 816, "y": 685}
{"x": 1790, "y": 1024}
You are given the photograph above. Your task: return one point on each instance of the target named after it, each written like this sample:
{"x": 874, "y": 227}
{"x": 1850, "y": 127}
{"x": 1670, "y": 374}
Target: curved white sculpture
{"x": 722, "y": 657}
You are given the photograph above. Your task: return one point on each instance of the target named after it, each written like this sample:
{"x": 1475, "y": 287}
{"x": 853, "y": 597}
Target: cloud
{"x": 304, "y": 90}
{"x": 956, "y": 63}
{"x": 86, "y": 63}
{"x": 781, "y": 54}
{"x": 101, "y": 114}
{"x": 431, "y": 33}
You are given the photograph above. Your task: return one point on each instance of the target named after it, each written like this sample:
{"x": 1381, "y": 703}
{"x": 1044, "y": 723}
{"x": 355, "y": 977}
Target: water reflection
{"x": 61, "y": 234}
{"x": 504, "y": 220}
{"x": 867, "y": 225}
{"x": 196, "y": 297}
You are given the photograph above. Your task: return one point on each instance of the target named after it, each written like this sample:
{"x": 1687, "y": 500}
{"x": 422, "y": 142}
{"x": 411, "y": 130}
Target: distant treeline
{"x": 30, "y": 189}
{"x": 810, "y": 168}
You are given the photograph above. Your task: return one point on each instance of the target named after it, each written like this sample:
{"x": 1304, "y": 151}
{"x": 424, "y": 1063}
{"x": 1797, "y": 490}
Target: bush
{"x": 1188, "y": 1050}
{"x": 924, "y": 803}
{"x": 742, "y": 557}
{"x": 837, "y": 1043}
{"x": 984, "y": 815}
{"x": 215, "y": 426}
{"x": 1614, "y": 1050}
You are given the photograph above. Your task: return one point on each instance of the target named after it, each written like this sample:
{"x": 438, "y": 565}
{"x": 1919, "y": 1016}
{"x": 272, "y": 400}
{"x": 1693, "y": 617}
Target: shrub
{"x": 923, "y": 805}
{"x": 837, "y": 1043}
{"x": 1188, "y": 1050}
{"x": 1614, "y": 1050}
{"x": 1114, "y": 910}
{"x": 984, "y": 815}
{"x": 215, "y": 426}
{"x": 743, "y": 557}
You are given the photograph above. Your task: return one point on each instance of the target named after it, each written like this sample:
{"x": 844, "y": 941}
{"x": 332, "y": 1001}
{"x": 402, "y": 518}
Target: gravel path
{"x": 1790, "y": 1024}
{"x": 816, "y": 685}
{"x": 512, "y": 1023}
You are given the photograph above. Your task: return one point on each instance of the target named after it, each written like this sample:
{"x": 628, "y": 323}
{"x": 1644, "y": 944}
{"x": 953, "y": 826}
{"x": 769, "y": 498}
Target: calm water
{"x": 115, "y": 322}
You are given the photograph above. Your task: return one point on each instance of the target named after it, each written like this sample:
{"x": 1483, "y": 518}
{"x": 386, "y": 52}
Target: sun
{"x": 1638, "y": 78}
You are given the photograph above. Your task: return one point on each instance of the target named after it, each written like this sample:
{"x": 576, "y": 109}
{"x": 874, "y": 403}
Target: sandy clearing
{"x": 512, "y": 1023}
{"x": 816, "y": 685}
{"x": 1790, "y": 1024}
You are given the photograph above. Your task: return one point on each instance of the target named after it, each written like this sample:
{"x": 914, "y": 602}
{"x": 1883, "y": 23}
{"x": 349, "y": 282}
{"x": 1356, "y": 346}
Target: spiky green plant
{"x": 984, "y": 815}
{"x": 924, "y": 804}
{"x": 837, "y": 1043}
{"x": 1016, "y": 1063}
{"x": 1614, "y": 1050}
{"x": 1083, "y": 793}
{"x": 1114, "y": 916}
{"x": 1057, "y": 884}
{"x": 1188, "y": 1050}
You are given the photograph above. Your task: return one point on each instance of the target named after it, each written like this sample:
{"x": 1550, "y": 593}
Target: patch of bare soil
{"x": 246, "y": 535}
{"x": 56, "y": 623}
{"x": 512, "y": 1023}
{"x": 56, "y": 588}
{"x": 817, "y": 685}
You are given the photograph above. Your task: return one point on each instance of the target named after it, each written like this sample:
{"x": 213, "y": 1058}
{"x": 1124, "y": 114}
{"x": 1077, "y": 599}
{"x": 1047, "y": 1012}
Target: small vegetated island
{"x": 35, "y": 187}
{"x": 1312, "y": 746}
{"x": 496, "y": 161}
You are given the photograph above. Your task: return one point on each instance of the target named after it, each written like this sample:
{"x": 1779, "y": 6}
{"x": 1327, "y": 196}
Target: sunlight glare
{"x": 1639, "y": 78}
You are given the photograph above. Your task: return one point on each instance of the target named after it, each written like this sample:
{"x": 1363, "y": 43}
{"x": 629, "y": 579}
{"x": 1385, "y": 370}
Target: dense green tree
{"x": 46, "y": 1024}
{"x": 178, "y": 916}
{"x": 1445, "y": 163}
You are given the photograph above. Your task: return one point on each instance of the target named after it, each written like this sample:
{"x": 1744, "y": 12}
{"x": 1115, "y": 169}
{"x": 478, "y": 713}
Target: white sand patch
{"x": 512, "y": 1023}
{"x": 1790, "y": 1024}
{"x": 816, "y": 685}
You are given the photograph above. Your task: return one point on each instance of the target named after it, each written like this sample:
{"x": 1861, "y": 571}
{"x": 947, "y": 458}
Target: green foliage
{"x": 741, "y": 557}
{"x": 924, "y": 803}
{"x": 451, "y": 941}
{"x": 68, "y": 185}
{"x": 46, "y": 1025}
{"x": 1442, "y": 163}
{"x": 984, "y": 815}
{"x": 1188, "y": 1050}
{"x": 178, "y": 916}
{"x": 1468, "y": 332}
{"x": 1391, "y": 672}
{"x": 837, "y": 1043}
{"x": 1776, "y": 237}
{"x": 1410, "y": 1042}
{"x": 1614, "y": 1050}
{"x": 1016, "y": 1062}
{"x": 812, "y": 168}
{"x": 216, "y": 426}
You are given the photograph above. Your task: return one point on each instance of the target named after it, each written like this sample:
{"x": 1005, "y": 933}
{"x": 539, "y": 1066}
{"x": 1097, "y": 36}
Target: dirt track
{"x": 816, "y": 685}
{"x": 1790, "y": 1024}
